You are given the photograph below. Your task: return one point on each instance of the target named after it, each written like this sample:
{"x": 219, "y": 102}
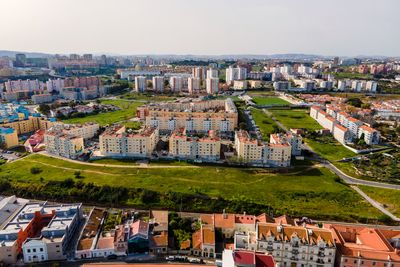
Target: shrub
{"x": 36, "y": 170}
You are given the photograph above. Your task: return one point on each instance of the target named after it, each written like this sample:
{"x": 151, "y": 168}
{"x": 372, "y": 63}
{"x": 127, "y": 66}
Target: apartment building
{"x": 212, "y": 85}
{"x": 254, "y": 151}
{"x": 207, "y": 148}
{"x": 212, "y": 73}
{"x": 281, "y": 86}
{"x": 341, "y": 134}
{"x": 199, "y": 72}
{"x": 42, "y": 98}
{"x": 371, "y": 136}
{"x": 64, "y": 145}
{"x": 140, "y": 84}
{"x": 233, "y": 74}
{"x": 38, "y": 219}
{"x": 158, "y": 83}
{"x": 366, "y": 246}
{"x": 117, "y": 142}
{"x": 55, "y": 237}
{"x": 344, "y": 127}
{"x": 86, "y": 131}
{"x": 176, "y": 84}
{"x": 201, "y": 116}
{"x": 296, "y": 245}
{"x": 194, "y": 85}
{"x": 295, "y": 141}
{"x": 8, "y": 137}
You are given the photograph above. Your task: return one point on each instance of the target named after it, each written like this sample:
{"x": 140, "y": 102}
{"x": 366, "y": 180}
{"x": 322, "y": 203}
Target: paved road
{"x": 347, "y": 178}
{"x": 354, "y": 181}
{"x": 376, "y": 204}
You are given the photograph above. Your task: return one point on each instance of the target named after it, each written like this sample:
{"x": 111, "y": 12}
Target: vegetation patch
{"x": 302, "y": 191}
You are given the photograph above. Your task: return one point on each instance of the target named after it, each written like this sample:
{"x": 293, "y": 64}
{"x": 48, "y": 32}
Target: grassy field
{"x": 329, "y": 148}
{"x": 127, "y": 111}
{"x": 264, "y": 122}
{"x": 304, "y": 191}
{"x": 146, "y": 97}
{"x": 387, "y": 197}
{"x": 295, "y": 118}
{"x": 263, "y": 101}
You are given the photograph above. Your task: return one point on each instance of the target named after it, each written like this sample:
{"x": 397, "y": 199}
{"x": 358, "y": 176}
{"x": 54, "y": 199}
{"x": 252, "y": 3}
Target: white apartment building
{"x": 158, "y": 84}
{"x": 233, "y": 74}
{"x": 282, "y": 86}
{"x": 341, "y": 134}
{"x": 116, "y": 142}
{"x": 371, "y": 86}
{"x": 206, "y": 148}
{"x": 55, "y": 238}
{"x": 219, "y": 115}
{"x": 212, "y": 85}
{"x": 371, "y": 136}
{"x": 212, "y": 73}
{"x": 295, "y": 141}
{"x": 194, "y": 84}
{"x": 296, "y": 245}
{"x": 255, "y": 152}
{"x": 64, "y": 145}
{"x": 86, "y": 131}
{"x": 175, "y": 82}
{"x": 140, "y": 84}
{"x": 55, "y": 85}
{"x": 198, "y": 72}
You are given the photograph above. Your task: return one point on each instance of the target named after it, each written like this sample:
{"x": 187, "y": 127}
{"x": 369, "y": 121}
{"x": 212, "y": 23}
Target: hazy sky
{"x": 327, "y": 27}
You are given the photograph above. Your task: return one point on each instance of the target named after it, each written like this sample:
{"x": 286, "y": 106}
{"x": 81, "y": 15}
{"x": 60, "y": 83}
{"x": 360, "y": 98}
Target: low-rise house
{"x": 203, "y": 241}
{"x": 91, "y": 232}
{"x": 104, "y": 246}
{"x": 138, "y": 237}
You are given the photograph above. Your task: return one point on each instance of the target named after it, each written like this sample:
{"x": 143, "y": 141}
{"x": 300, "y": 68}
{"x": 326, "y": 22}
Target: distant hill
{"x": 6, "y": 53}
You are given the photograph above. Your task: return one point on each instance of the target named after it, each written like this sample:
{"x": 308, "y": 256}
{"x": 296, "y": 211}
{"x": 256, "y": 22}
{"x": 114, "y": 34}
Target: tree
{"x": 44, "y": 109}
{"x": 78, "y": 174}
{"x": 36, "y": 170}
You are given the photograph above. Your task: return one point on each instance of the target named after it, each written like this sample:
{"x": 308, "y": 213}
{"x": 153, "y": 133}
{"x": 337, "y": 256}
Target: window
{"x": 41, "y": 249}
{"x": 29, "y": 251}
{"x": 34, "y": 250}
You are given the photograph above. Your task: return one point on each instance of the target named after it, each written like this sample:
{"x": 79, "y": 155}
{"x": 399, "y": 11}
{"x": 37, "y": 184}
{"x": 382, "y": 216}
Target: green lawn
{"x": 329, "y": 148}
{"x": 264, "y": 101}
{"x": 304, "y": 191}
{"x": 127, "y": 111}
{"x": 264, "y": 122}
{"x": 390, "y": 198}
{"x": 350, "y": 75}
{"x": 295, "y": 118}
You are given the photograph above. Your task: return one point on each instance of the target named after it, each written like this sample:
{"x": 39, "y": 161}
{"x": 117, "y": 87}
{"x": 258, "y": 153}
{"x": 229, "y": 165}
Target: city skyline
{"x": 177, "y": 27}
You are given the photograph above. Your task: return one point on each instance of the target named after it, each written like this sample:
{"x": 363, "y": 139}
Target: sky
{"x": 202, "y": 27}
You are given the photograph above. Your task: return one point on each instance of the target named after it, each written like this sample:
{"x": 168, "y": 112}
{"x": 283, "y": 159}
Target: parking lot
{"x": 9, "y": 155}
